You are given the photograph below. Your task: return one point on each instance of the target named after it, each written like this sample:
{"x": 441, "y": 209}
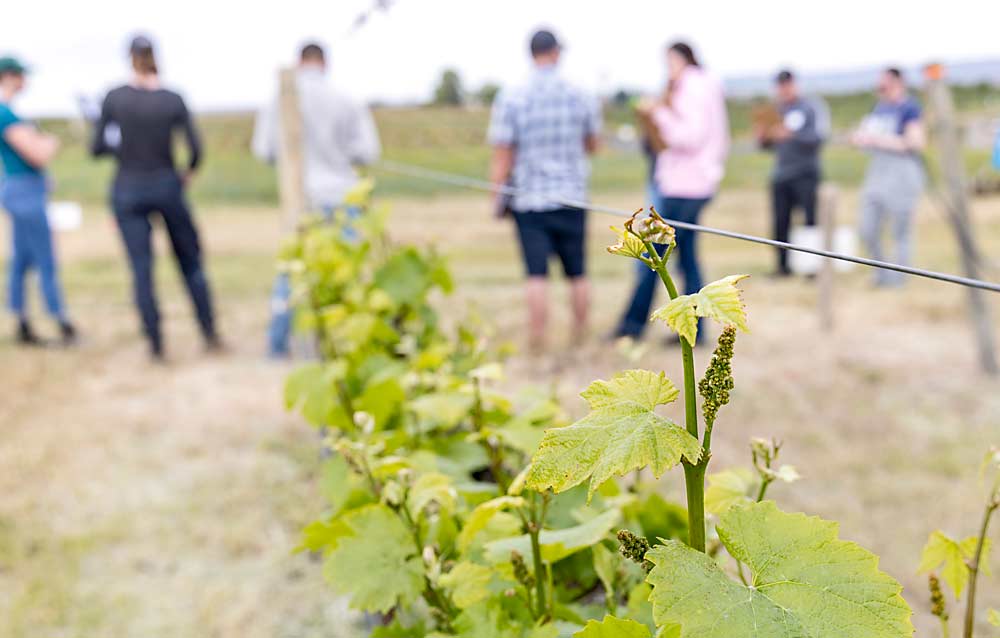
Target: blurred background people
{"x": 25, "y": 152}
{"x": 339, "y": 136}
{"x": 694, "y": 128}
{"x": 894, "y": 137}
{"x": 147, "y": 181}
{"x": 542, "y": 131}
{"x": 797, "y": 139}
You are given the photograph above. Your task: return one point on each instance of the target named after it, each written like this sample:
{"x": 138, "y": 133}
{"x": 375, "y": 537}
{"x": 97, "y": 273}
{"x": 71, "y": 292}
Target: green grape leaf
{"x": 376, "y": 564}
{"x": 481, "y": 516}
{"x": 622, "y": 433}
{"x": 606, "y": 564}
{"x": 468, "y": 583}
{"x": 442, "y": 409}
{"x": 517, "y": 484}
{"x": 310, "y": 390}
{"x": 612, "y": 627}
{"x": 550, "y": 630}
{"x": 660, "y": 518}
{"x": 322, "y": 536}
{"x": 728, "y": 488}
{"x": 361, "y": 193}
{"x": 400, "y": 629}
{"x": 637, "y": 603}
{"x": 405, "y": 277}
{"x": 720, "y": 300}
{"x": 488, "y": 619}
{"x": 381, "y": 399}
{"x": 487, "y": 372}
{"x": 558, "y": 543}
{"x": 628, "y": 244}
{"x": 681, "y": 314}
{"x": 806, "y": 582}
{"x": 993, "y": 617}
{"x": 432, "y": 487}
{"x": 941, "y": 549}
{"x": 342, "y": 488}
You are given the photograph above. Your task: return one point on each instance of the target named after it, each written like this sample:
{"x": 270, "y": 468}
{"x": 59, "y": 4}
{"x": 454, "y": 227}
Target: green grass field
{"x": 453, "y": 140}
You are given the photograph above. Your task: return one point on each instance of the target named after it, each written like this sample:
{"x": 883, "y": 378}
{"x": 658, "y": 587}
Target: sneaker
{"x": 25, "y": 335}
{"x": 68, "y": 333}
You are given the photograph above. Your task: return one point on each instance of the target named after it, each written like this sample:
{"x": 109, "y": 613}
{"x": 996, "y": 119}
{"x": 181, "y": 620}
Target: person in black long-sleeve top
{"x": 137, "y": 125}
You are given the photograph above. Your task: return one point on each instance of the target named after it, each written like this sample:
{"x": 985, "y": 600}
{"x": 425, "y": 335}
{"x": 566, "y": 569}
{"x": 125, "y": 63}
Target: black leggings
{"x": 135, "y": 197}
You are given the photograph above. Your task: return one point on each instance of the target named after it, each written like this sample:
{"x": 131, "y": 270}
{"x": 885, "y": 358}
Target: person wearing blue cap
{"x": 25, "y": 152}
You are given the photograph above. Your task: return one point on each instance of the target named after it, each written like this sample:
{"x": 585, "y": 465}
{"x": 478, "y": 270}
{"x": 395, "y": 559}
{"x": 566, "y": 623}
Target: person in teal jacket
{"x": 24, "y": 153}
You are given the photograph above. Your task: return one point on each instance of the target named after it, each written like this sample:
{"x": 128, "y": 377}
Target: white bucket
{"x": 845, "y": 240}
{"x": 64, "y": 216}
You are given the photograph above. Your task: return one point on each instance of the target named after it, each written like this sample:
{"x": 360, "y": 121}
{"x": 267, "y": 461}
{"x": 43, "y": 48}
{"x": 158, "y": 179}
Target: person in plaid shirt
{"x": 542, "y": 132}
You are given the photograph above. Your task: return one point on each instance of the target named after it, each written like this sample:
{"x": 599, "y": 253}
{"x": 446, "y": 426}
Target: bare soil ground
{"x": 164, "y": 501}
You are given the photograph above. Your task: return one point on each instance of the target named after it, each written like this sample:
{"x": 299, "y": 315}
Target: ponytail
{"x": 684, "y": 50}
{"x": 144, "y": 61}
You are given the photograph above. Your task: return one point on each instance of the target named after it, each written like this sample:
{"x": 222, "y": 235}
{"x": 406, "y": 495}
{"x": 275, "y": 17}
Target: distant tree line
{"x": 450, "y": 91}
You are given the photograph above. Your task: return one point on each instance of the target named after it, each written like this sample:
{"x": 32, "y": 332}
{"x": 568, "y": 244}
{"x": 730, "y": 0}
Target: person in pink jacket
{"x": 691, "y": 120}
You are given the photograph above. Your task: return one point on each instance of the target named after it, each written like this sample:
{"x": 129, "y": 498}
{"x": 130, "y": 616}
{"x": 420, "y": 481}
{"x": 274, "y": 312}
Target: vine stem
{"x": 431, "y": 594}
{"x": 534, "y": 530}
{"x": 764, "y": 483}
{"x": 970, "y": 601}
{"x": 493, "y": 452}
{"x": 328, "y": 352}
{"x": 694, "y": 473}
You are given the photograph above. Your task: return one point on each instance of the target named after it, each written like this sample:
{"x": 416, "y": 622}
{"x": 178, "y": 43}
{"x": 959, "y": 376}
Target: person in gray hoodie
{"x": 796, "y": 140}
{"x": 339, "y": 137}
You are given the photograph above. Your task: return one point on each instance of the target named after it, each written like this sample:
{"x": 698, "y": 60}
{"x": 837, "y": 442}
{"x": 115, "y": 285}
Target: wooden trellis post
{"x": 944, "y": 134}
{"x": 827, "y": 210}
{"x": 291, "y": 173}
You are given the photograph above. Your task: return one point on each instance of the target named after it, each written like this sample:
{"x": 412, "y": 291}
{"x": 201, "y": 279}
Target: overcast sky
{"x": 223, "y": 54}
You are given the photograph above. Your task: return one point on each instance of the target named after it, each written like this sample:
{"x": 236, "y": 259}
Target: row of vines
{"x": 454, "y": 509}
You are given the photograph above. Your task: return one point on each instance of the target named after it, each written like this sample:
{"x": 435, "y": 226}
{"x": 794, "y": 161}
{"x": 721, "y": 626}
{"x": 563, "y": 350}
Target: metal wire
{"x": 443, "y": 177}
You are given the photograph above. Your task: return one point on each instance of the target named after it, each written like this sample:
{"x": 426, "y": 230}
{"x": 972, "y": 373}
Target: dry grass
{"x": 138, "y": 501}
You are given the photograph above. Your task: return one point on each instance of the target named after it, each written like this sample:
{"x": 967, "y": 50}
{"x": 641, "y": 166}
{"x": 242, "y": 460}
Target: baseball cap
{"x": 784, "y": 76}
{"x": 140, "y": 44}
{"x": 543, "y": 41}
{"x": 10, "y": 64}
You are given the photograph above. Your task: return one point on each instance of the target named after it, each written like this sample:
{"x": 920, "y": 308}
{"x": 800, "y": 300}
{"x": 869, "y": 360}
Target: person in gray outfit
{"x": 796, "y": 140}
{"x": 894, "y": 137}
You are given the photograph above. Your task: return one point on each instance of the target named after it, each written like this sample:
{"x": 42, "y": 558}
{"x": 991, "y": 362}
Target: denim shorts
{"x": 562, "y": 232}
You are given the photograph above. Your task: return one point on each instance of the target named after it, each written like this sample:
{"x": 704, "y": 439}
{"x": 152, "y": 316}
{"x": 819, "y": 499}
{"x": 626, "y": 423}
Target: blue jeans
{"x": 681, "y": 209}
{"x": 24, "y": 198}
{"x": 279, "y": 331}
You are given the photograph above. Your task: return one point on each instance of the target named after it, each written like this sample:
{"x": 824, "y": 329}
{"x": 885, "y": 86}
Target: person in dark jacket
{"x": 796, "y": 141}
{"x": 142, "y": 118}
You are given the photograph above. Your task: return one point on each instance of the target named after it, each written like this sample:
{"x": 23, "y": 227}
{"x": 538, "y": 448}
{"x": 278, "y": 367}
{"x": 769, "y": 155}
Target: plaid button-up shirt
{"x": 546, "y": 120}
